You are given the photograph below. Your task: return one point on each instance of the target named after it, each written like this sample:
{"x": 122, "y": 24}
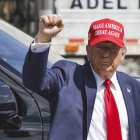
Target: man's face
{"x": 105, "y": 56}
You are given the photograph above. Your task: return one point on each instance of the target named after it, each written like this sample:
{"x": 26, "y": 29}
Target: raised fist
{"x": 49, "y": 26}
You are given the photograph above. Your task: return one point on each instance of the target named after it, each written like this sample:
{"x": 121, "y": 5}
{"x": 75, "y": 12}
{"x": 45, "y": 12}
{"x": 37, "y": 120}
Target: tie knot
{"x": 107, "y": 83}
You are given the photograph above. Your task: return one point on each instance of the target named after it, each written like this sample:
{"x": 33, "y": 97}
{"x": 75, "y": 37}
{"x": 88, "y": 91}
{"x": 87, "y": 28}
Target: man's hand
{"x": 49, "y": 26}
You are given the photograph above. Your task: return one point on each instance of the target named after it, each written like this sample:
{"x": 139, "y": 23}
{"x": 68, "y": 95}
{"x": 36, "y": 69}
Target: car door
{"x": 20, "y": 116}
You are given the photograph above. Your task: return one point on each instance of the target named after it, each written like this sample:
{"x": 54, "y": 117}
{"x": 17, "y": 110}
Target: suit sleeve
{"x": 40, "y": 79}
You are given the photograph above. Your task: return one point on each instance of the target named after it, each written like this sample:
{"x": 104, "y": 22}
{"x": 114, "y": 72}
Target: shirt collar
{"x": 100, "y": 81}
{"x": 114, "y": 80}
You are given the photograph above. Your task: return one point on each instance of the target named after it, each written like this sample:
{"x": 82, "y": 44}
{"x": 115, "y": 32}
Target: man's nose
{"x": 106, "y": 52}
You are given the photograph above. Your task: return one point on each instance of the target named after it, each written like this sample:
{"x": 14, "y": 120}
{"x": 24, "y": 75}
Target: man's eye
{"x": 99, "y": 47}
{"x": 113, "y": 48}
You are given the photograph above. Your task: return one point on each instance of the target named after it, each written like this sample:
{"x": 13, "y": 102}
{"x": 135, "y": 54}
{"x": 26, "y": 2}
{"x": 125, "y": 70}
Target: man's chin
{"x": 106, "y": 69}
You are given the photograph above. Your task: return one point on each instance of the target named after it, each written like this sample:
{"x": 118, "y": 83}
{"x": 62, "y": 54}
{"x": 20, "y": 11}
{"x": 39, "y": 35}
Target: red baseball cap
{"x": 106, "y": 30}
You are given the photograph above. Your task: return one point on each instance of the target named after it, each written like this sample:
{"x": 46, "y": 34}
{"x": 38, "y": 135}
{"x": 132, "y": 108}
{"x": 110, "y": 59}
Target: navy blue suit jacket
{"x": 71, "y": 90}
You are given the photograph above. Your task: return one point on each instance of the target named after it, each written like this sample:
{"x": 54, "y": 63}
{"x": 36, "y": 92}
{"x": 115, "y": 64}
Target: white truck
{"x": 78, "y": 15}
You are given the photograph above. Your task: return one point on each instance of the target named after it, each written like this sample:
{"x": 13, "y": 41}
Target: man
{"x": 93, "y": 101}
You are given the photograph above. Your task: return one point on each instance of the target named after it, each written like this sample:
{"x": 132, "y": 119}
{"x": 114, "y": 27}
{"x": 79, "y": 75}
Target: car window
{"x": 14, "y": 45}
{"x": 12, "y": 51}
{"x": 28, "y": 112}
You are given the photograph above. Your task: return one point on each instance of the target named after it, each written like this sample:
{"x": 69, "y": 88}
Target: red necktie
{"x": 112, "y": 115}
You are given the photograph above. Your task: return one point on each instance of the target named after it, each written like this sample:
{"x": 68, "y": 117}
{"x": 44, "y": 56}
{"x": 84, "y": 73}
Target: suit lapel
{"x": 91, "y": 89}
{"x": 127, "y": 94}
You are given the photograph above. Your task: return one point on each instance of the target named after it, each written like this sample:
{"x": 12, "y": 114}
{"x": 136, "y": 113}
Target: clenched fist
{"x": 49, "y": 26}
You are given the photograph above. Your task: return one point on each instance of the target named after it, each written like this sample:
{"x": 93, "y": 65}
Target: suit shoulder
{"x": 65, "y": 64}
{"x": 130, "y": 79}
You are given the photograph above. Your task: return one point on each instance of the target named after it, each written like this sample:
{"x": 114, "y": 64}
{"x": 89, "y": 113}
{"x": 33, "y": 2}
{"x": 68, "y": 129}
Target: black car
{"x": 23, "y": 113}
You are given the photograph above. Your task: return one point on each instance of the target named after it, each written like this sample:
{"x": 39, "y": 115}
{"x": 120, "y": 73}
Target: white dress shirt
{"x": 39, "y": 47}
{"x": 97, "y": 130}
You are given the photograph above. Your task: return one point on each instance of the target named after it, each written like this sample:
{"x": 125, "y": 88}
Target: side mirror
{"x": 8, "y": 108}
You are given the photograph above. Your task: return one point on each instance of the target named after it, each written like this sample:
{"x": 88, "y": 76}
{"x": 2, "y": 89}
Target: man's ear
{"x": 87, "y": 49}
{"x": 124, "y": 50}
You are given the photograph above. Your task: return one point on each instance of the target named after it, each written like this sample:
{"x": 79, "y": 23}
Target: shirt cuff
{"x": 39, "y": 47}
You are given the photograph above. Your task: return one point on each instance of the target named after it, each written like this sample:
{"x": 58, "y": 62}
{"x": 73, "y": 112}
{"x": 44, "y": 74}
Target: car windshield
{"x": 12, "y": 51}
{"x": 14, "y": 45}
